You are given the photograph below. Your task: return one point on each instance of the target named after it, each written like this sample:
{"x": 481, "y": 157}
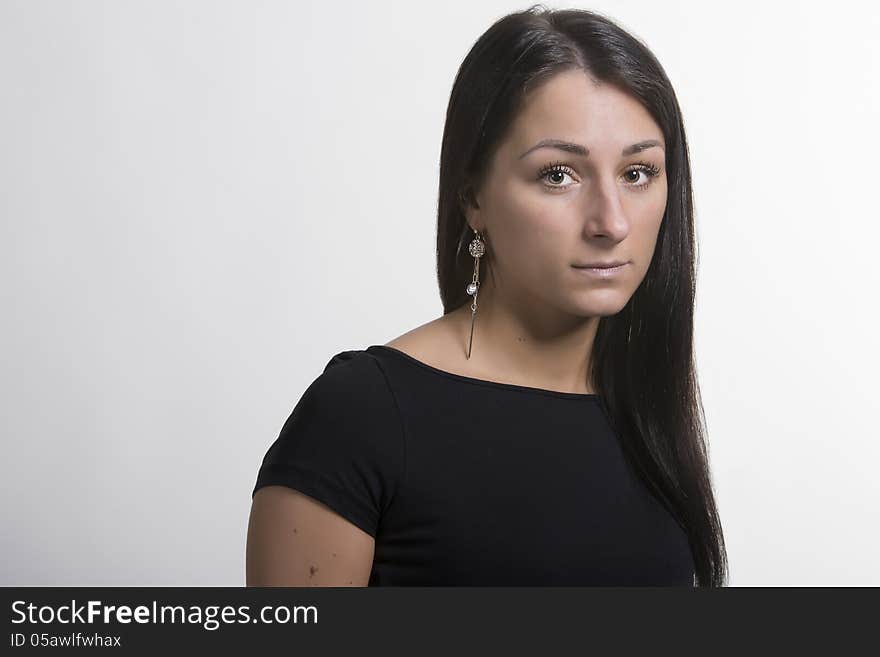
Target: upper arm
{"x": 294, "y": 540}
{"x": 327, "y": 480}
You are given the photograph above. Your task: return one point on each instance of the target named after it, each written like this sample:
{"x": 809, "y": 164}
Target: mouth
{"x": 602, "y": 265}
{"x": 602, "y": 270}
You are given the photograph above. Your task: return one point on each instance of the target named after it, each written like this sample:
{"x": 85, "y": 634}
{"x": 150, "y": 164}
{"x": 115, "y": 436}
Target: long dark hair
{"x": 642, "y": 360}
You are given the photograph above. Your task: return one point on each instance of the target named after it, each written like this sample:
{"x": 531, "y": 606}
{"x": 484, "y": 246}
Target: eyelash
{"x": 651, "y": 170}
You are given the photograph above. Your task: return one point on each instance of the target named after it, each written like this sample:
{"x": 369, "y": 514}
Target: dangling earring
{"x": 477, "y": 248}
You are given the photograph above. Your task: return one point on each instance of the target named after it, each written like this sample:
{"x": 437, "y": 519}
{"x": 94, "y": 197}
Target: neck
{"x": 524, "y": 339}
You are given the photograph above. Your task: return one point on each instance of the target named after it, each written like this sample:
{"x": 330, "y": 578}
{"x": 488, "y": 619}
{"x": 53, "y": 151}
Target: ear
{"x": 470, "y": 208}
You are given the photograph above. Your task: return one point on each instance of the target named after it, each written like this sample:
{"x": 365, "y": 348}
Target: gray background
{"x": 202, "y": 202}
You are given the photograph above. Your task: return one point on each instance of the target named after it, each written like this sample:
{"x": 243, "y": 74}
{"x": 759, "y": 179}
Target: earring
{"x": 477, "y": 248}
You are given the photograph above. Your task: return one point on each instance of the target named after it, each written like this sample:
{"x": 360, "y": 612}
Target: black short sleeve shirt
{"x": 467, "y": 482}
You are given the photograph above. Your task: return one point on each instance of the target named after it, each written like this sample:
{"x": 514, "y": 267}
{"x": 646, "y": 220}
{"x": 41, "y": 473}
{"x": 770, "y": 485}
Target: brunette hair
{"x": 642, "y": 361}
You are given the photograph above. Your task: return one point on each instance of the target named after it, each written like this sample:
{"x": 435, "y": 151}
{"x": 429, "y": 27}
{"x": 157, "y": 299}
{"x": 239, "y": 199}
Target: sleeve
{"x": 343, "y": 442}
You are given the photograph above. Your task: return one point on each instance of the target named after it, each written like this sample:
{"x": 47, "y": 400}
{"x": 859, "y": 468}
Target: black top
{"x": 463, "y": 481}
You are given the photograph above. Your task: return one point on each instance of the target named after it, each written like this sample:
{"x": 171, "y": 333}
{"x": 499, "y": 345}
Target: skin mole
{"x": 312, "y": 570}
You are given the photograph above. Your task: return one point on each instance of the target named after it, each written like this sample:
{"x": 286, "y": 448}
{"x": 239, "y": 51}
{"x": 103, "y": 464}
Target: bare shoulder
{"x": 436, "y": 343}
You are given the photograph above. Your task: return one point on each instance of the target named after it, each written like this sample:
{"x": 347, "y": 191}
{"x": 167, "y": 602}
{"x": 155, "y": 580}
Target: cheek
{"x": 538, "y": 221}
{"x": 660, "y": 207}
{"x": 527, "y": 246}
{"x": 529, "y": 231}
{"x": 645, "y": 238}
{"x": 519, "y": 225}
{"x": 521, "y": 242}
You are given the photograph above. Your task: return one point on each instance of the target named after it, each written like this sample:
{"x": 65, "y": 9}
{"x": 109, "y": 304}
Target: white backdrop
{"x": 202, "y": 202}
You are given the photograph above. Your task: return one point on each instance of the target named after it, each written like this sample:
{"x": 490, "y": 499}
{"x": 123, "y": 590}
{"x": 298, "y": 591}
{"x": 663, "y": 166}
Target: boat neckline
{"x": 485, "y": 382}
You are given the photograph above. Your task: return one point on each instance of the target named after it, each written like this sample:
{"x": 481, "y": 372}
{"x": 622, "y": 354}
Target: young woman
{"x": 547, "y": 429}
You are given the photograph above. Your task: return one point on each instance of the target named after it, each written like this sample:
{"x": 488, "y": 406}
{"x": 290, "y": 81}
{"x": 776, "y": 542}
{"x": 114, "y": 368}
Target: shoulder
{"x": 439, "y": 343}
{"x": 351, "y": 367}
{"x": 343, "y": 442}
{"x": 352, "y": 382}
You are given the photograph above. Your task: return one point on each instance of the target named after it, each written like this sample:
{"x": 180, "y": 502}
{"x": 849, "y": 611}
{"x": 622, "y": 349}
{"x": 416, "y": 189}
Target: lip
{"x": 610, "y": 263}
{"x": 602, "y": 271}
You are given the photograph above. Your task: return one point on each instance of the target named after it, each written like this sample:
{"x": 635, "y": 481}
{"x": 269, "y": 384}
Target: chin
{"x": 606, "y": 303}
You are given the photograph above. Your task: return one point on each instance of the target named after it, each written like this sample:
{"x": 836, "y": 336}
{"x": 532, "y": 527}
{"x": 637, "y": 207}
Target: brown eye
{"x": 560, "y": 174}
{"x": 555, "y": 175}
{"x": 651, "y": 171}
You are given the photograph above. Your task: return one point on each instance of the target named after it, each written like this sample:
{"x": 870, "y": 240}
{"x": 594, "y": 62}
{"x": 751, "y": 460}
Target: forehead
{"x": 571, "y": 106}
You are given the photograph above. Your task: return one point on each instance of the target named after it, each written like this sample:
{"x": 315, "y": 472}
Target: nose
{"x": 605, "y": 215}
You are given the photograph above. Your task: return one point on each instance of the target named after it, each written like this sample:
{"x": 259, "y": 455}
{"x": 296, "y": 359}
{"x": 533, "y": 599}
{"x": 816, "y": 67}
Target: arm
{"x": 294, "y": 540}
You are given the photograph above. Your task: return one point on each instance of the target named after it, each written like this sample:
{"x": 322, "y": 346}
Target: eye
{"x": 555, "y": 174}
{"x": 651, "y": 171}
{"x": 557, "y": 170}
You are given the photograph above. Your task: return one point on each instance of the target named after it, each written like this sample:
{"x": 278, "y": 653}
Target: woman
{"x": 547, "y": 429}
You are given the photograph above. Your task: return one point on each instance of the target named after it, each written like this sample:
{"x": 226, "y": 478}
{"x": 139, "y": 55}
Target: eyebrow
{"x": 577, "y": 149}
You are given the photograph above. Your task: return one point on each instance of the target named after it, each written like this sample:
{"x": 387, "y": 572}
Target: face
{"x": 544, "y": 210}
